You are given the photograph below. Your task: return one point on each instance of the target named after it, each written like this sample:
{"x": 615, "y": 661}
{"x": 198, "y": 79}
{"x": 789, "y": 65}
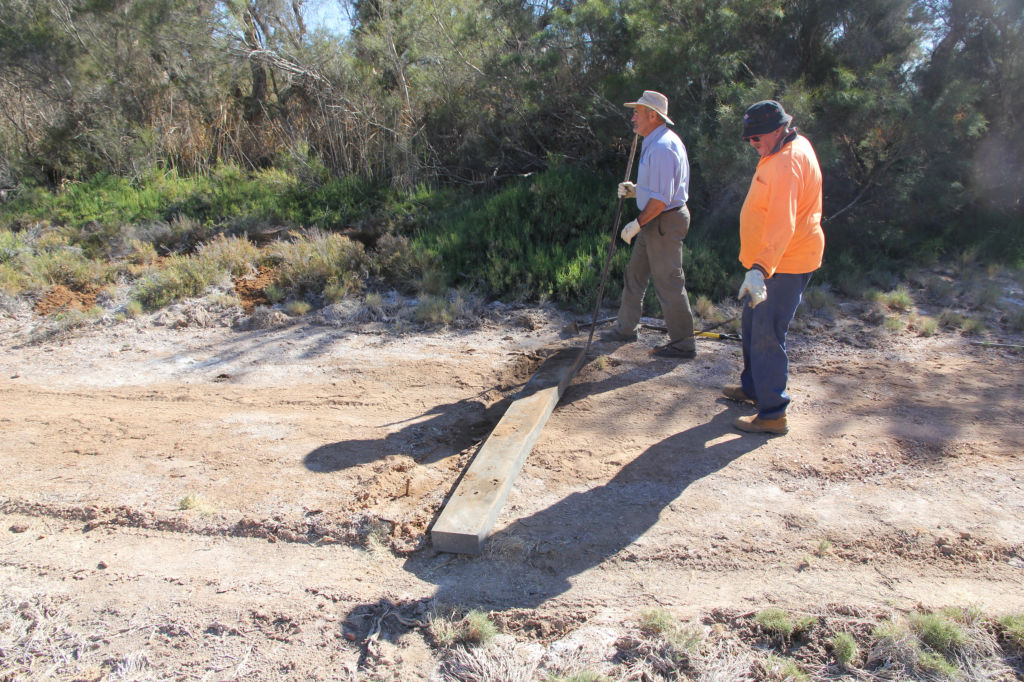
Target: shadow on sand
{"x": 534, "y": 558}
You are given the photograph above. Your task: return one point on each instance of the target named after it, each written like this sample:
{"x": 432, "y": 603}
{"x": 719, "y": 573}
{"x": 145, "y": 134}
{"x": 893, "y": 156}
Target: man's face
{"x": 764, "y": 144}
{"x": 645, "y": 121}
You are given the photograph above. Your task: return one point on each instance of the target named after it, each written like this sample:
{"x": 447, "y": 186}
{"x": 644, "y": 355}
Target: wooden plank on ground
{"x": 471, "y": 512}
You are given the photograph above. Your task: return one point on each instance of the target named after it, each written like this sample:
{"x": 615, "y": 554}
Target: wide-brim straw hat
{"x": 655, "y": 101}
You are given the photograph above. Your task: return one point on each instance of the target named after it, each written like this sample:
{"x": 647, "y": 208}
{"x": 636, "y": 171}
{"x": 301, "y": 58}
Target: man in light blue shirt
{"x": 661, "y": 190}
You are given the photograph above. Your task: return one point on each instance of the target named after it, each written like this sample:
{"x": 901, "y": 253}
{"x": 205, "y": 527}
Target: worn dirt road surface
{"x": 223, "y": 504}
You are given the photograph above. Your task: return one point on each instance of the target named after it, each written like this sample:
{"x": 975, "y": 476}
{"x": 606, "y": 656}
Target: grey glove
{"x": 754, "y": 287}
{"x": 627, "y": 190}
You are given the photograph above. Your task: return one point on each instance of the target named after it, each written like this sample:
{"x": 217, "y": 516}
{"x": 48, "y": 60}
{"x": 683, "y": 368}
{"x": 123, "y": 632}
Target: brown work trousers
{"x": 658, "y": 254}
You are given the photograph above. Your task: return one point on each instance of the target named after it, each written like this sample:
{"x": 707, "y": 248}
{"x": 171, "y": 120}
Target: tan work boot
{"x": 754, "y": 424}
{"x": 736, "y": 393}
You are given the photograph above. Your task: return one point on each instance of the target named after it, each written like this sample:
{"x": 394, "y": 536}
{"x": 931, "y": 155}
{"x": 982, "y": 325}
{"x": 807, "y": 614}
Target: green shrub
{"x": 235, "y": 255}
{"x": 893, "y": 644}
{"x": 35, "y": 265}
{"x": 140, "y": 252}
{"x": 783, "y": 669}
{"x": 103, "y": 199}
{"x": 315, "y": 260}
{"x": 14, "y": 245}
{"x": 546, "y": 236}
{"x": 704, "y": 307}
{"x": 778, "y": 622}
{"x": 297, "y": 308}
{"x": 455, "y": 308}
{"x": 133, "y": 309}
{"x": 478, "y": 628}
{"x": 972, "y": 327}
{"x": 275, "y": 294}
{"x": 444, "y": 630}
{"x": 448, "y": 628}
{"x": 899, "y": 299}
{"x": 894, "y": 325}
{"x": 923, "y": 325}
{"x": 1013, "y": 628}
{"x": 931, "y": 662}
{"x": 657, "y": 621}
{"x": 394, "y": 260}
{"x": 844, "y": 648}
{"x": 986, "y": 295}
{"x": 938, "y": 632}
{"x": 193, "y": 501}
{"x": 181, "y": 277}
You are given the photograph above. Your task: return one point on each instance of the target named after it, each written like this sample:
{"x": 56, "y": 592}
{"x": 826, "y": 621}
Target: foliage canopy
{"x": 912, "y": 105}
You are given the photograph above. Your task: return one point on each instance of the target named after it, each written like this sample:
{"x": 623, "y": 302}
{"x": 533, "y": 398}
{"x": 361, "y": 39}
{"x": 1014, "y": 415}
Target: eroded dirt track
{"x": 252, "y": 503}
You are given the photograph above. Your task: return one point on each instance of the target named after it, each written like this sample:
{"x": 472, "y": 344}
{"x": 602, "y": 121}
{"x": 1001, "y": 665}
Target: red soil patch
{"x": 251, "y": 290}
{"x": 60, "y": 298}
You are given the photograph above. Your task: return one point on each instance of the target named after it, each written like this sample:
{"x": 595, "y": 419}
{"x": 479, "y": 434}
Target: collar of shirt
{"x": 784, "y": 140}
{"x": 653, "y": 138}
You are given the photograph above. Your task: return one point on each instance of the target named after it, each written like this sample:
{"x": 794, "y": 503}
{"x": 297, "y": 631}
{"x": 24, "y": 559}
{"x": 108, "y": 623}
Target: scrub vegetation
{"x": 770, "y": 645}
{"x": 475, "y": 145}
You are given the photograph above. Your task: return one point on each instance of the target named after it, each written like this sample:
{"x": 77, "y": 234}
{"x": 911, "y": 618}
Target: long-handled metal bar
{"x": 611, "y": 247}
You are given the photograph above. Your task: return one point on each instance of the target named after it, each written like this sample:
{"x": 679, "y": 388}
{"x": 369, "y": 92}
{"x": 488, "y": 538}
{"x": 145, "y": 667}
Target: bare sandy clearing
{"x": 314, "y": 458}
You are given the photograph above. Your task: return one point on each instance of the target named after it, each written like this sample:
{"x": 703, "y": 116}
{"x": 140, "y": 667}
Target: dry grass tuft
{"x": 450, "y": 629}
{"x": 36, "y": 642}
{"x": 504, "y": 661}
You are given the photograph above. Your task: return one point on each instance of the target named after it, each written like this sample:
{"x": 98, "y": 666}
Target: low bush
{"x": 180, "y": 277}
{"x": 938, "y": 632}
{"x": 780, "y": 669}
{"x": 316, "y": 260}
{"x": 844, "y": 648}
{"x": 778, "y": 622}
{"x": 474, "y": 627}
{"x": 32, "y": 261}
{"x": 235, "y": 255}
{"x": 923, "y": 325}
{"x": 547, "y": 237}
{"x": 1012, "y": 627}
{"x": 534, "y": 238}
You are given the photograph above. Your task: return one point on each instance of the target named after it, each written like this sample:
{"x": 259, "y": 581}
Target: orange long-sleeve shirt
{"x": 780, "y": 223}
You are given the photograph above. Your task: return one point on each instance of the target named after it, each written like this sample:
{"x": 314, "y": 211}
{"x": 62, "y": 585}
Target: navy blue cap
{"x": 764, "y": 117}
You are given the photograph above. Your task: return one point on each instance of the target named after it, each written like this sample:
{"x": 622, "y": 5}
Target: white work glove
{"x": 627, "y": 190}
{"x": 753, "y": 286}
{"x": 631, "y": 230}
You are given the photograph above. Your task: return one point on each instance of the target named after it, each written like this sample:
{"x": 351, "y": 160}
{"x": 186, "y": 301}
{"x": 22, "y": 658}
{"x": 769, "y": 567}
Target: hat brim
{"x": 634, "y": 105}
{"x": 765, "y": 127}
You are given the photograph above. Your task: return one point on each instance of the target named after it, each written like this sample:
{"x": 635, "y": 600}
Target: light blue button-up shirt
{"x": 664, "y": 172}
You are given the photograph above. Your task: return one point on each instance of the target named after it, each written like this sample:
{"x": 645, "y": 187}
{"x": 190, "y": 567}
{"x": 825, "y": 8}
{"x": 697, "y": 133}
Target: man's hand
{"x": 629, "y": 231}
{"x": 627, "y": 190}
{"x": 753, "y": 286}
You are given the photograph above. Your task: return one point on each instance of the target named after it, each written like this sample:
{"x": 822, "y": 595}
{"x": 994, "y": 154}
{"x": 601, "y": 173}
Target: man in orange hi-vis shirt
{"x": 781, "y": 244}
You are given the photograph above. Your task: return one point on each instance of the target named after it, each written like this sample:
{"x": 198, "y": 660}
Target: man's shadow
{"x": 439, "y": 432}
{"x": 447, "y": 429}
{"x": 540, "y": 553}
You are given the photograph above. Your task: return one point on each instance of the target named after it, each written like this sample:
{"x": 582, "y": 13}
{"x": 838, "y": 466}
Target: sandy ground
{"x": 205, "y": 502}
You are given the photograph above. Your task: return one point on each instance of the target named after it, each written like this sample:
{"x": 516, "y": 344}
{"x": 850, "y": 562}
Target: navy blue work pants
{"x": 765, "y": 362}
